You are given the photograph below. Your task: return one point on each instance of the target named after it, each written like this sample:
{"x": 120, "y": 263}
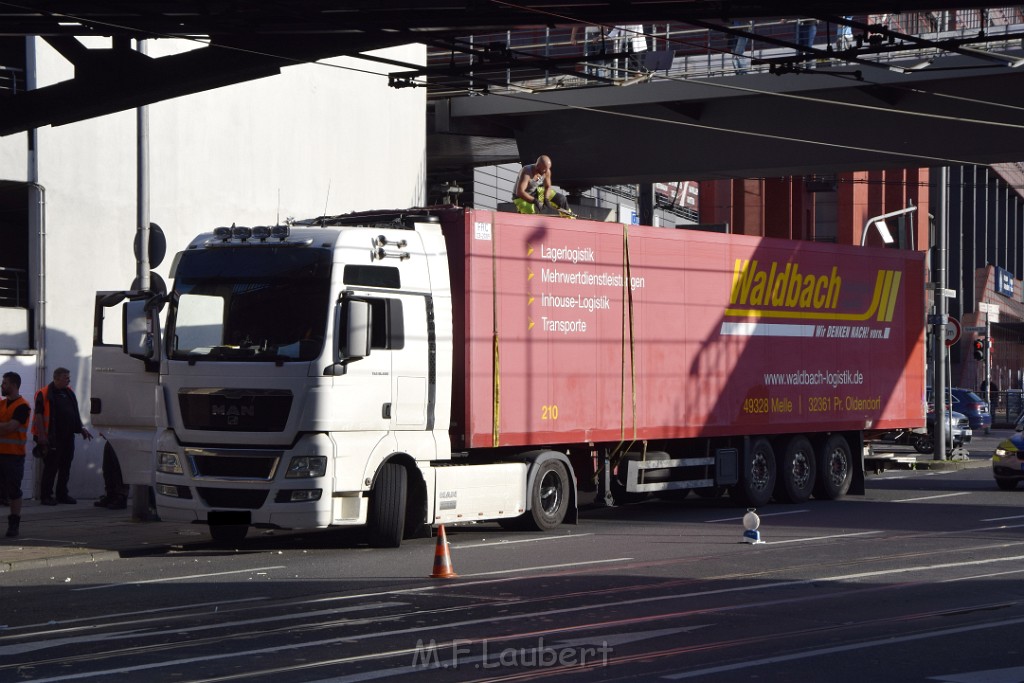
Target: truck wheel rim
{"x": 550, "y": 492}
{"x": 801, "y": 470}
{"x": 759, "y": 476}
{"x": 838, "y": 466}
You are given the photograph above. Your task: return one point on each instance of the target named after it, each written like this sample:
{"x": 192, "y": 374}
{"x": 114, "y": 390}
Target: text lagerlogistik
{"x": 568, "y": 254}
{"x": 577, "y": 255}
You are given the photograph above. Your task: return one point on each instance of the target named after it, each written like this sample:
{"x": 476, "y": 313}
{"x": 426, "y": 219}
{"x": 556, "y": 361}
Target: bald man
{"x": 533, "y": 188}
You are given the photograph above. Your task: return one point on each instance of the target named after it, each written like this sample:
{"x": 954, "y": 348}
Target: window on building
{"x": 14, "y": 280}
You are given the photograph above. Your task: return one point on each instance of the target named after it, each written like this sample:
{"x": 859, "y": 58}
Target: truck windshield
{"x": 250, "y": 303}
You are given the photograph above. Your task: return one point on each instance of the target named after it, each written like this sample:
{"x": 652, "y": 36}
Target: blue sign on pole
{"x": 1004, "y": 282}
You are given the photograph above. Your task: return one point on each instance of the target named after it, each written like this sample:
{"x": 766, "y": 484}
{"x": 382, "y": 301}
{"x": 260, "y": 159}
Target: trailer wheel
{"x": 835, "y": 469}
{"x": 758, "y": 480}
{"x": 549, "y": 496}
{"x": 797, "y": 469}
{"x": 386, "y": 516}
{"x": 922, "y": 443}
{"x": 223, "y": 534}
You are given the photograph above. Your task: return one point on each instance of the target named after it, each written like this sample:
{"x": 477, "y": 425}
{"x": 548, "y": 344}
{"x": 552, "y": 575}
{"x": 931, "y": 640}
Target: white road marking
{"x": 1011, "y": 675}
{"x": 762, "y": 516}
{"x": 881, "y": 642}
{"x": 179, "y": 578}
{"x": 547, "y": 566}
{"x": 490, "y": 544}
{"x": 180, "y": 663}
{"x": 616, "y": 639}
{"x": 119, "y": 617}
{"x": 1000, "y": 519}
{"x": 940, "y": 495}
{"x": 998, "y": 528}
{"x": 982, "y": 576}
{"x": 822, "y": 538}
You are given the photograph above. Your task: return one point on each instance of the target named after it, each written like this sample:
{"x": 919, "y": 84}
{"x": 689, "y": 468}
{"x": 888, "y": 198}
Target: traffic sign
{"x": 990, "y": 310}
{"x": 953, "y": 331}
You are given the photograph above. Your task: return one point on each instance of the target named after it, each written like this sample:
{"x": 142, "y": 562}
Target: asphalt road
{"x": 916, "y": 581}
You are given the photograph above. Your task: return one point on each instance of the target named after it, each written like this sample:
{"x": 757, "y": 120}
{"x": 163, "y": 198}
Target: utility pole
{"x": 991, "y": 312}
{"x": 940, "y": 318}
{"x": 140, "y": 493}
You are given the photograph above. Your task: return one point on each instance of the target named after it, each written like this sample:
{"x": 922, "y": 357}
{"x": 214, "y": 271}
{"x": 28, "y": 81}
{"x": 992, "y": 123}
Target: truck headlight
{"x": 298, "y": 496}
{"x": 168, "y": 463}
{"x": 307, "y": 467}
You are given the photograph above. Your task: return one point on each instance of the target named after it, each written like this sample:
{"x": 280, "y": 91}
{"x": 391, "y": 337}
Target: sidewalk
{"x": 71, "y": 534}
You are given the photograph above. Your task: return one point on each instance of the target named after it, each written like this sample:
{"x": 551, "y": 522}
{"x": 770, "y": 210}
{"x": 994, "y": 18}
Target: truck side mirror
{"x": 141, "y": 330}
{"x": 356, "y": 323}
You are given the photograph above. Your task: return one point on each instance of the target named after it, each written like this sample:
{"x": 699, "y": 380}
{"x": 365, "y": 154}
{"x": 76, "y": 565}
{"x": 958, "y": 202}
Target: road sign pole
{"x": 988, "y": 359}
{"x": 939, "y": 353}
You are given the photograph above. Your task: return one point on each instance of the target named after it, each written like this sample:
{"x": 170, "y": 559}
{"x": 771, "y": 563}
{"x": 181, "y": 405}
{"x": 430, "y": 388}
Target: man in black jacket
{"x": 54, "y": 426}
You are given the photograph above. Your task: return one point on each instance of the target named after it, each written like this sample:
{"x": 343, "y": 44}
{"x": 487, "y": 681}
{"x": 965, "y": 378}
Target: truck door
{"x": 368, "y": 372}
{"x": 410, "y": 362}
{"x": 125, "y": 402}
{"x": 392, "y": 378}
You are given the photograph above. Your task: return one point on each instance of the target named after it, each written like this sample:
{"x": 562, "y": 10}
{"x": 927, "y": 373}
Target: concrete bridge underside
{"x": 956, "y": 111}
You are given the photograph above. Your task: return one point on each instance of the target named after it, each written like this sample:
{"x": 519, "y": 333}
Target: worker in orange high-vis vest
{"x": 54, "y": 426}
{"x": 14, "y": 414}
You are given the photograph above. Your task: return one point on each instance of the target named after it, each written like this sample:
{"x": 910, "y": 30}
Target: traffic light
{"x": 979, "y": 348}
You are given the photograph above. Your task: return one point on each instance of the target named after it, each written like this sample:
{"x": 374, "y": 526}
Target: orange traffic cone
{"x": 442, "y": 558}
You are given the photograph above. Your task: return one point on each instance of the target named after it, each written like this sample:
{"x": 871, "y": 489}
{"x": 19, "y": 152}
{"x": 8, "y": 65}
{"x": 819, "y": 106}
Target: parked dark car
{"x": 958, "y": 433}
{"x": 973, "y": 406}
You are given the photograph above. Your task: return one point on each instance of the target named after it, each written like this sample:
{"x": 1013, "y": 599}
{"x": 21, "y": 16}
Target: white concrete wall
{"x": 317, "y": 136}
{"x": 14, "y": 157}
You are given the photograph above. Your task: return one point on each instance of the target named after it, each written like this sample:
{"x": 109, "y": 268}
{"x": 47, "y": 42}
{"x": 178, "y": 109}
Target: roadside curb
{"x": 59, "y": 561}
{"x": 76, "y": 557}
{"x": 950, "y": 464}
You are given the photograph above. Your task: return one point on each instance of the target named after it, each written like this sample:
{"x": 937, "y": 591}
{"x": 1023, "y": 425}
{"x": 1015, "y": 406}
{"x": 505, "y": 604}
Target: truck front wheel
{"x": 549, "y": 496}
{"x": 386, "y": 516}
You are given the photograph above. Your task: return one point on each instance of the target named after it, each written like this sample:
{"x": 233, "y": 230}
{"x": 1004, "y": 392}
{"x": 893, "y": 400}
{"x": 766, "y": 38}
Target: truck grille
{"x": 232, "y": 498}
{"x": 235, "y": 410}
{"x": 261, "y": 465}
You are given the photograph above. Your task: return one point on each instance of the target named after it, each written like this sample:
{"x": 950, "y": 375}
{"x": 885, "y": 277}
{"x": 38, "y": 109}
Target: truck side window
{"x": 106, "y": 325}
{"x": 388, "y": 327}
{"x": 372, "y": 276}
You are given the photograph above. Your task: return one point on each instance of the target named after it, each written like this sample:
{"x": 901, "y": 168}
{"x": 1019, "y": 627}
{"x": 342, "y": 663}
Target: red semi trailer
{"x": 709, "y": 360}
{"x": 397, "y": 369}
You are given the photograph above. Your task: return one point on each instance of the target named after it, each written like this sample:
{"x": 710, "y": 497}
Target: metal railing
{"x": 1005, "y": 407}
{"x": 12, "y": 80}
{"x": 13, "y": 287}
{"x": 577, "y": 56}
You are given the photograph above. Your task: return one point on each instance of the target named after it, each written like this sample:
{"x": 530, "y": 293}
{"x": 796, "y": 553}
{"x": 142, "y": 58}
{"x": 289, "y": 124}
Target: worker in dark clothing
{"x": 116, "y": 492}
{"x": 54, "y": 426}
{"x": 14, "y": 414}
